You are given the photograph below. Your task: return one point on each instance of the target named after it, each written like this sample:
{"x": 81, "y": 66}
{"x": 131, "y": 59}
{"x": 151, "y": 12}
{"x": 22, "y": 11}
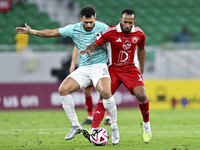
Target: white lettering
{"x": 123, "y": 97}
{"x": 95, "y": 97}
{"x": 29, "y": 101}
{"x": 79, "y": 98}
{"x": 10, "y": 101}
{"x": 123, "y": 56}
{"x": 127, "y": 97}
{"x": 4, "y": 4}
{"x": 55, "y": 99}
{"x": 118, "y": 97}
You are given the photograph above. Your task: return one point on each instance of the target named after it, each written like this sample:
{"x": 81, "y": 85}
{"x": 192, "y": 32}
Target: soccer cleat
{"x": 147, "y": 134}
{"x": 147, "y": 137}
{"x": 86, "y": 134}
{"x": 87, "y": 122}
{"x": 115, "y": 135}
{"x": 74, "y": 130}
{"x": 107, "y": 122}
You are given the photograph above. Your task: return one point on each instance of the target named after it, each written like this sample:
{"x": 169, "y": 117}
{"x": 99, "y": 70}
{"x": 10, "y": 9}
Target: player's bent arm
{"x": 141, "y": 58}
{"x": 90, "y": 49}
{"x": 74, "y": 57}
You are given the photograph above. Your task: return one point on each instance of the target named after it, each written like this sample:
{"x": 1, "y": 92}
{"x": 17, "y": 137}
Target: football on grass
{"x": 99, "y": 136}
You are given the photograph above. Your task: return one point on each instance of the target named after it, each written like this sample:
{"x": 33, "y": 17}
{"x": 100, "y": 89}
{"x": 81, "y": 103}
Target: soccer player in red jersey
{"x": 124, "y": 38}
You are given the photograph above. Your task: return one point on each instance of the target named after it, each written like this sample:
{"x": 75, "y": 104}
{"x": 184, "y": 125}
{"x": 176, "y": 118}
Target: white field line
{"x": 181, "y": 126}
{"x": 121, "y": 127}
{"x": 66, "y": 130}
{"x": 132, "y": 132}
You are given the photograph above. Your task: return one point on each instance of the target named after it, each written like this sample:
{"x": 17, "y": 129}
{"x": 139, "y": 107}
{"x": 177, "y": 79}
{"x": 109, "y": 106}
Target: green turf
{"x": 38, "y": 129}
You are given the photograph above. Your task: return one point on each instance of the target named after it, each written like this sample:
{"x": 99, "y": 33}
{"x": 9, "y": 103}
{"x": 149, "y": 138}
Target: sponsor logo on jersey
{"x": 79, "y": 36}
{"x": 134, "y": 40}
{"x": 126, "y": 45}
{"x": 118, "y": 40}
{"x": 123, "y": 56}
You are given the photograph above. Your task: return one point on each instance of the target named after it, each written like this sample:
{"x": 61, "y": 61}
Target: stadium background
{"x": 172, "y": 70}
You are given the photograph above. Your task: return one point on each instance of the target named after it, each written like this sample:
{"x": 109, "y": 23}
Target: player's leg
{"x": 98, "y": 113}
{"x": 109, "y": 105}
{"x": 102, "y": 82}
{"x": 114, "y": 85}
{"x": 140, "y": 94}
{"x": 132, "y": 79}
{"x": 104, "y": 87}
{"x": 97, "y": 118}
{"x": 89, "y": 105}
{"x": 66, "y": 88}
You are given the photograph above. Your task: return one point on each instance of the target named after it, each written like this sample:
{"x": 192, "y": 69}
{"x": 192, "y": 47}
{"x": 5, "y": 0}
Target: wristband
{"x": 34, "y": 32}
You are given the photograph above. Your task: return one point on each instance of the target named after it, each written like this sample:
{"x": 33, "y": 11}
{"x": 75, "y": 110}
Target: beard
{"x": 88, "y": 29}
{"x": 125, "y": 30}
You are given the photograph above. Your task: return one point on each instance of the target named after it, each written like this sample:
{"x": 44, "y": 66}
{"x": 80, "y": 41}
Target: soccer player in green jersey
{"x": 92, "y": 70}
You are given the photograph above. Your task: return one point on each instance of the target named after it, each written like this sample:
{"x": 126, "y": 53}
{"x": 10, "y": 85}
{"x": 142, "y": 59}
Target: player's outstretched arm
{"x": 89, "y": 49}
{"x": 42, "y": 33}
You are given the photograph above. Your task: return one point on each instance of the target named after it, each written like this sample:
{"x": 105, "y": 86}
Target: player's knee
{"x": 106, "y": 94}
{"x": 141, "y": 97}
{"x": 87, "y": 91}
{"x": 63, "y": 91}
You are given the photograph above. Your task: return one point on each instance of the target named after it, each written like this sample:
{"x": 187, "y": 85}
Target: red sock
{"x": 98, "y": 114}
{"x": 107, "y": 115}
{"x": 89, "y": 105}
{"x": 144, "y": 108}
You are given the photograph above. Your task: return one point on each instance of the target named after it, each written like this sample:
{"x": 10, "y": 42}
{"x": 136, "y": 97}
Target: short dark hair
{"x": 128, "y": 11}
{"x": 87, "y": 11}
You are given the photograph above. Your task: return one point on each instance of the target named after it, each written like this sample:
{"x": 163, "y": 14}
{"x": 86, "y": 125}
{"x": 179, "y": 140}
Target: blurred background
{"x": 30, "y": 74}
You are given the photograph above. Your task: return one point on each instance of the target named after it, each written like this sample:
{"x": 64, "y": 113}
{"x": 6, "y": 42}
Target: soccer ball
{"x": 99, "y": 136}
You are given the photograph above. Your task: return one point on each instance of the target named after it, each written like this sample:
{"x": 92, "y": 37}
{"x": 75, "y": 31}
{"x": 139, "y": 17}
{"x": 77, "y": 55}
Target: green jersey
{"x": 84, "y": 38}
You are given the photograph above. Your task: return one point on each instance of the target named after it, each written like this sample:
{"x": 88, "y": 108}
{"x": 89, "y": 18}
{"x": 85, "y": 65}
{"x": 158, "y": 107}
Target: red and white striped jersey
{"x": 122, "y": 46}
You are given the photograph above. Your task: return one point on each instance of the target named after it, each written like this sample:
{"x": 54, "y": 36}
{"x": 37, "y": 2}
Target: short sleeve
{"x": 66, "y": 31}
{"x": 102, "y": 38}
{"x": 142, "y": 41}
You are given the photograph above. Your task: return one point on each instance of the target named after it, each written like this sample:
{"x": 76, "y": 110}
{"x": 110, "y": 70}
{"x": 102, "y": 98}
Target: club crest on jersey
{"x": 126, "y": 45}
{"x": 98, "y": 35}
{"x": 134, "y": 40}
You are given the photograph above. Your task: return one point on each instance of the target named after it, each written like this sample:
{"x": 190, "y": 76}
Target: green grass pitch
{"x": 46, "y": 129}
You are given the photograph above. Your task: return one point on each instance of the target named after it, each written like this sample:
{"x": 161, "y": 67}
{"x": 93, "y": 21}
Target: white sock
{"x": 107, "y": 117}
{"x": 147, "y": 127}
{"x": 69, "y": 107}
{"x": 90, "y": 117}
{"x": 110, "y": 106}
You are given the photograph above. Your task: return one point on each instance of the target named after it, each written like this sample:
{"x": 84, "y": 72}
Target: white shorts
{"x": 87, "y": 75}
